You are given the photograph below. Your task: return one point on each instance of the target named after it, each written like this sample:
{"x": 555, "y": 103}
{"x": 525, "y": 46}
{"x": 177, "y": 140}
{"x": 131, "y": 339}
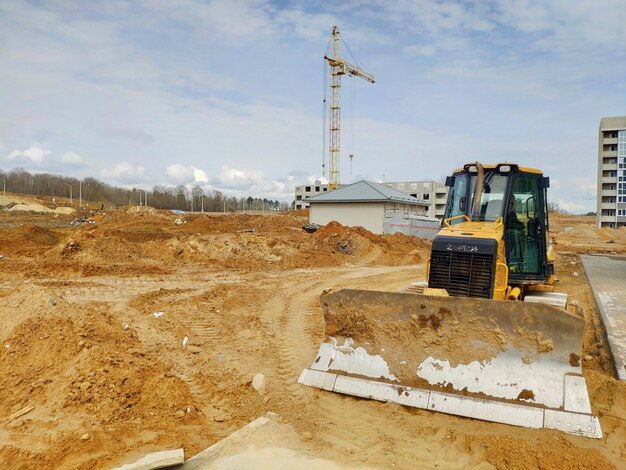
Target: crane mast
{"x": 338, "y": 67}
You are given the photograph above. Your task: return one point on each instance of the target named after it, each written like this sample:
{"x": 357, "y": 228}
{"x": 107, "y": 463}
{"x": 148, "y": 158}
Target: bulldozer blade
{"x": 501, "y": 361}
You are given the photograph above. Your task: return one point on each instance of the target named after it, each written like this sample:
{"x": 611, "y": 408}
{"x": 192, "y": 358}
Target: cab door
{"x": 525, "y": 228}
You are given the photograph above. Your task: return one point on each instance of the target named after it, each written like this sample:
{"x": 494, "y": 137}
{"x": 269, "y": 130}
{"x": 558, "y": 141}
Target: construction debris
{"x": 82, "y": 220}
{"x": 258, "y": 383}
{"x": 311, "y": 228}
{"x": 20, "y": 413}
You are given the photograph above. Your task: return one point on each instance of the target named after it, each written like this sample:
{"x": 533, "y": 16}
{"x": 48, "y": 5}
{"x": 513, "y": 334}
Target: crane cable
{"x": 349, "y": 51}
{"x": 352, "y": 118}
{"x": 352, "y": 102}
{"x": 324, "y": 107}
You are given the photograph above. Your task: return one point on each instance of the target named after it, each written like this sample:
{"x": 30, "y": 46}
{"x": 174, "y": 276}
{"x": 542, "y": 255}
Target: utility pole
{"x": 80, "y": 193}
{"x": 4, "y": 190}
{"x": 71, "y": 202}
{"x": 224, "y": 205}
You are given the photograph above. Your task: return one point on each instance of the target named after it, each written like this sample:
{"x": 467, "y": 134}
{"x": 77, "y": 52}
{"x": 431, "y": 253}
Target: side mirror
{"x": 462, "y": 204}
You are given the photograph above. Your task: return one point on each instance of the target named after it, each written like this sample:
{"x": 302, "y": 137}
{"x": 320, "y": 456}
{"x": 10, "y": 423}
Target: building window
{"x": 317, "y": 189}
{"x": 426, "y": 196}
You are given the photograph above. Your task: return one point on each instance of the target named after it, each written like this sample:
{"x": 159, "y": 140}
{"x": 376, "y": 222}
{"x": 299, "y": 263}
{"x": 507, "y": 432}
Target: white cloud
{"x": 71, "y": 159}
{"x": 200, "y": 176}
{"x": 36, "y": 153}
{"x": 125, "y": 173}
{"x": 179, "y": 173}
{"x": 186, "y": 174}
{"x": 314, "y": 179}
{"x": 571, "y": 207}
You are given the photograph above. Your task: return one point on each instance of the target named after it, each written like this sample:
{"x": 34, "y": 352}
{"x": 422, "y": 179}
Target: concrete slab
{"x": 155, "y": 460}
{"x": 607, "y": 276}
{"x": 265, "y": 443}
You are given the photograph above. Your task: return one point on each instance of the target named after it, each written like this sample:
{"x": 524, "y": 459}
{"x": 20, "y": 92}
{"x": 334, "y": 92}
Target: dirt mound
{"x": 331, "y": 229}
{"x": 81, "y": 363}
{"x": 26, "y": 240}
{"x": 234, "y": 241}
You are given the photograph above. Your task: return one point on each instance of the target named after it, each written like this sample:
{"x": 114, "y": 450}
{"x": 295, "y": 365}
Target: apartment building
{"x": 611, "y": 198}
{"x": 432, "y": 192}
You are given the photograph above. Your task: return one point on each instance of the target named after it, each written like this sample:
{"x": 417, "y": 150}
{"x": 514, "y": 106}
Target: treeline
{"x": 90, "y": 189}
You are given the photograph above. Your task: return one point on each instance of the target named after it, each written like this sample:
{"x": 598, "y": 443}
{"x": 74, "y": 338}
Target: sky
{"x": 228, "y": 94}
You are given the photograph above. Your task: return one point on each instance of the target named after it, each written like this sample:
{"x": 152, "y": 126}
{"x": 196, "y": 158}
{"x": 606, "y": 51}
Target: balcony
{"x": 609, "y": 179}
{"x": 609, "y": 141}
{"x": 609, "y": 192}
{"x": 609, "y": 167}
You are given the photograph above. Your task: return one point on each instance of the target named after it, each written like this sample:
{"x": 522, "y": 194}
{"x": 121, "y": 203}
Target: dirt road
{"x": 135, "y": 333}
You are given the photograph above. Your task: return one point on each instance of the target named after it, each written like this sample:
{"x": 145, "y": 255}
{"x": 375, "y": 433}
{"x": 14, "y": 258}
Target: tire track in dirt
{"x": 300, "y": 322}
{"x": 296, "y": 346}
{"x": 372, "y": 254}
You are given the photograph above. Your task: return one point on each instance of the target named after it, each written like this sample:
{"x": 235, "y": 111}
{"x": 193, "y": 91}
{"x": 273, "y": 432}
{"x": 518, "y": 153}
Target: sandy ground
{"x": 109, "y": 380}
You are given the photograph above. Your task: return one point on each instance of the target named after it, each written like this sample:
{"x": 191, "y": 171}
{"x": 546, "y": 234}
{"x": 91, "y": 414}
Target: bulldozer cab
{"x": 517, "y": 196}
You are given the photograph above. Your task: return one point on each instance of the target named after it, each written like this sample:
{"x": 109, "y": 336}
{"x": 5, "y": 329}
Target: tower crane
{"x": 338, "y": 67}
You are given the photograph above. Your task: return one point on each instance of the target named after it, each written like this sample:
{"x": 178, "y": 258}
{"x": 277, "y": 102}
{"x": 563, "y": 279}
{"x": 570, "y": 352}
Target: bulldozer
{"x": 486, "y": 336}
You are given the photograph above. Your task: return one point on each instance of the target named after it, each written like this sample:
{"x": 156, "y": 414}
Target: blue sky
{"x": 227, "y": 94}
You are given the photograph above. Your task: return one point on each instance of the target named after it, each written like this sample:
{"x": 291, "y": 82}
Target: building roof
{"x": 365, "y": 191}
{"x": 613, "y": 123}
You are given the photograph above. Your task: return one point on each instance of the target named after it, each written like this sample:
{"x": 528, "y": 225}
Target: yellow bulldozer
{"x": 488, "y": 337}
